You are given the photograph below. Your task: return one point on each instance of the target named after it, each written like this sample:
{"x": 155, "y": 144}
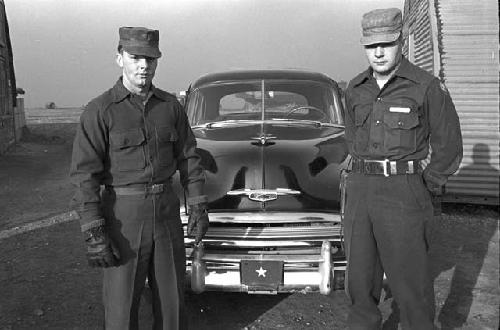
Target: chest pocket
{"x": 362, "y": 133}
{"x": 127, "y": 151}
{"x": 400, "y": 136}
{"x": 166, "y": 137}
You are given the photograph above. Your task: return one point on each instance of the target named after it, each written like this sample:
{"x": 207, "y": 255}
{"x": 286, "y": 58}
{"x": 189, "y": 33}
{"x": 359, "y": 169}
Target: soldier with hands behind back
{"x": 396, "y": 114}
{"x": 130, "y": 141}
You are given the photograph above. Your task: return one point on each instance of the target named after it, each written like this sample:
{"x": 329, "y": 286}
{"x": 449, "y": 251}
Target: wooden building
{"x": 7, "y": 85}
{"x": 458, "y": 41}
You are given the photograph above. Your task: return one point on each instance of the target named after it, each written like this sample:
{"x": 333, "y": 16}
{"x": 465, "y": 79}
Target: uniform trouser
{"x": 386, "y": 220}
{"x": 148, "y": 232}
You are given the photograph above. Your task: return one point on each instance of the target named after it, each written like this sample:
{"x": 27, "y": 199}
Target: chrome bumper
{"x": 305, "y": 273}
{"x": 305, "y": 245}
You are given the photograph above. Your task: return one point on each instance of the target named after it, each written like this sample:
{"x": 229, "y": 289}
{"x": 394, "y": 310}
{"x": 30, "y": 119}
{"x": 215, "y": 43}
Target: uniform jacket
{"x": 120, "y": 142}
{"x": 412, "y": 115}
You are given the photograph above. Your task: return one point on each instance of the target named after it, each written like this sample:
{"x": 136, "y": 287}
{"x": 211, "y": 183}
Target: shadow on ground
{"x": 460, "y": 243}
{"x": 46, "y": 284}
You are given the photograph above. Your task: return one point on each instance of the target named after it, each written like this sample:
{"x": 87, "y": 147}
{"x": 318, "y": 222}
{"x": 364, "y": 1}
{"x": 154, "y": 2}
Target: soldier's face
{"x": 384, "y": 57}
{"x": 138, "y": 70}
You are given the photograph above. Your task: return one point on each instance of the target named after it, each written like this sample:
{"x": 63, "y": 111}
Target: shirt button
{"x": 400, "y": 123}
{"x": 377, "y": 122}
{"x": 379, "y": 99}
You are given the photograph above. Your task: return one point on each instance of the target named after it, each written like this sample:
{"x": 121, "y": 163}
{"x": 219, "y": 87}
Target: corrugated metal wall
{"x": 468, "y": 34}
{"x": 457, "y": 40}
{"x": 419, "y": 45}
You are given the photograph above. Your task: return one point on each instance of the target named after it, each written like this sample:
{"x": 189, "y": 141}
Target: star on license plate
{"x": 261, "y": 274}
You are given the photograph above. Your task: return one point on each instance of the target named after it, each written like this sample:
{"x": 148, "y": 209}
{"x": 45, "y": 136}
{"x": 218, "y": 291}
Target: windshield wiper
{"x": 305, "y": 122}
{"x": 224, "y": 123}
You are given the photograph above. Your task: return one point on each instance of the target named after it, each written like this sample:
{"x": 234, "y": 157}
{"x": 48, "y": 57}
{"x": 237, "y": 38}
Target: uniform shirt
{"x": 121, "y": 141}
{"x": 411, "y": 112}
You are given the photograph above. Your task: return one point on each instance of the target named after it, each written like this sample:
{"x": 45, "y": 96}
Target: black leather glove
{"x": 197, "y": 222}
{"x": 101, "y": 252}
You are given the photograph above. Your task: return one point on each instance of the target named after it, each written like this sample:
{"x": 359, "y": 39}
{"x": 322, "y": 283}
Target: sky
{"x": 64, "y": 50}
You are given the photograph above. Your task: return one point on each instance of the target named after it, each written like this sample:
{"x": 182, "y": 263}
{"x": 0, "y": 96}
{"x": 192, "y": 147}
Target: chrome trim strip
{"x": 269, "y": 217}
{"x": 209, "y": 257}
{"x": 259, "y": 243}
{"x": 281, "y": 233}
{"x": 278, "y": 191}
{"x": 263, "y": 195}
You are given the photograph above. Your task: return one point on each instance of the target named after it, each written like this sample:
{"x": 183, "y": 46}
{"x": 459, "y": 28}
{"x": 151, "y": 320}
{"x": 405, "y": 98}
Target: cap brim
{"x": 379, "y": 38}
{"x": 143, "y": 51}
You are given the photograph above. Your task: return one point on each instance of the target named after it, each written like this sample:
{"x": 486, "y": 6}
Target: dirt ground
{"x": 45, "y": 283}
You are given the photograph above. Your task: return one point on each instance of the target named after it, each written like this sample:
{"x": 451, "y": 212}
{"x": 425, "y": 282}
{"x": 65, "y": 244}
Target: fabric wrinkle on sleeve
{"x": 349, "y": 121}
{"x": 191, "y": 173}
{"x": 445, "y": 135}
{"x": 87, "y": 167}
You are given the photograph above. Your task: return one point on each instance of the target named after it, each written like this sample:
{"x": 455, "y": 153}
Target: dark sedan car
{"x": 272, "y": 146}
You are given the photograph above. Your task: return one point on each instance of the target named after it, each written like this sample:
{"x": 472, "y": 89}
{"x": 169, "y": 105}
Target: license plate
{"x": 259, "y": 274}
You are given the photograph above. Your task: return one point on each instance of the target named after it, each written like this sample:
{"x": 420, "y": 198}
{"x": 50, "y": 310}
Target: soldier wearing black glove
{"x": 131, "y": 140}
{"x": 197, "y": 222}
{"x": 101, "y": 251}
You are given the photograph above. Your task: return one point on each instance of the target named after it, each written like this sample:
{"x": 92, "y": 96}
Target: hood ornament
{"x": 263, "y": 195}
{"x": 263, "y": 139}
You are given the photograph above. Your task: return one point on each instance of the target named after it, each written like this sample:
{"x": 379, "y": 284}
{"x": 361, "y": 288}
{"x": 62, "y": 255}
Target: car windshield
{"x": 264, "y": 100}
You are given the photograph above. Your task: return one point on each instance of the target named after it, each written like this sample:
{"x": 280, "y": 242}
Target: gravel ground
{"x": 45, "y": 283}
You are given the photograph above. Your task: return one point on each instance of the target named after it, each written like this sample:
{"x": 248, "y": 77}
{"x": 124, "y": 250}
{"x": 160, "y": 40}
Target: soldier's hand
{"x": 434, "y": 188}
{"x": 197, "y": 222}
{"x": 436, "y": 191}
{"x": 101, "y": 251}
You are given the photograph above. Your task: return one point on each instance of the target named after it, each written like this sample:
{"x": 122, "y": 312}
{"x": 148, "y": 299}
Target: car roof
{"x": 287, "y": 74}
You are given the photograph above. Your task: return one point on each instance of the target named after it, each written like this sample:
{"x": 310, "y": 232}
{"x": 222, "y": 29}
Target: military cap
{"x": 381, "y": 26}
{"x": 140, "y": 41}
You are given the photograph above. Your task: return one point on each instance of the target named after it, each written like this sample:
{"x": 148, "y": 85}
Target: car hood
{"x": 272, "y": 166}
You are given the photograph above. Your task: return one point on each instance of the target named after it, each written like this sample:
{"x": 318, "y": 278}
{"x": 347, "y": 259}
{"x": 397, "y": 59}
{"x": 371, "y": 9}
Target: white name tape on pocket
{"x": 397, "y": 109}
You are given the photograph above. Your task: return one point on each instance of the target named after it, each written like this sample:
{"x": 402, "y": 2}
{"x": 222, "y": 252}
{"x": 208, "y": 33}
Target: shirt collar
{"x": 405, "y": 70}
{"x": 120, "y": 92}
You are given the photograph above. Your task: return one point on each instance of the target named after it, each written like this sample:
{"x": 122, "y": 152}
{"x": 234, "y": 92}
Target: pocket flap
{"x": 360, "y": 116}
{"x": 125, "y": 139}
{"x": 401, "y": 120}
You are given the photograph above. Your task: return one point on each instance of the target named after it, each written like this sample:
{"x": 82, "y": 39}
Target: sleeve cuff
{"x": 435, "y": 178}
{"x": 434, "y": 183}
{"x": 197, "y": 200}
{"x": 92, "y": 224}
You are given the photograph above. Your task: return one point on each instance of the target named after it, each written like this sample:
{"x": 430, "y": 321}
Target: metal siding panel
{"x": 468, "y": 40}
{"x": 469, "y": 37}
{"x": 417, "y": 23}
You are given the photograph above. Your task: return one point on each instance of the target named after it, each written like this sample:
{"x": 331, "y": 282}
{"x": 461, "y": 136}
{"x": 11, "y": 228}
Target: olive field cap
{"x": 381, "y": 26}
{"x": 140, "y": 41}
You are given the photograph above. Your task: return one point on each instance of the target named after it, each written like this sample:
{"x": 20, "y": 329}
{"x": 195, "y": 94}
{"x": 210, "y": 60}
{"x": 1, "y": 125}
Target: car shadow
{"x": 217, "y": 310}
{"x": 222, "y": 310}
{"x": 459, "y": 243}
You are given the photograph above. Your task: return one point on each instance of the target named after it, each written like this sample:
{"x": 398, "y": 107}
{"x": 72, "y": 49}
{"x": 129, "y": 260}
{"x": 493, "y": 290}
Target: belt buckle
{"x": 384, "y": 166}
{"x": 156, "y": 188}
